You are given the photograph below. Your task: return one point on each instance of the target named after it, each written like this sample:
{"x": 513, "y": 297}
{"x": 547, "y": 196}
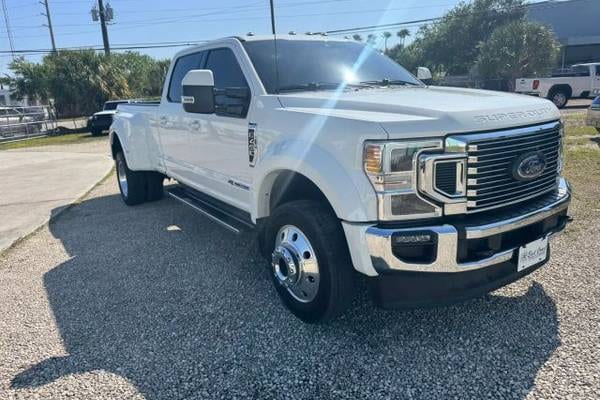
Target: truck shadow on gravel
{"x": 182, "y": 309}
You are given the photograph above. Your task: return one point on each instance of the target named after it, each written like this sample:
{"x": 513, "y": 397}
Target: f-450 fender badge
{"x": 252, "y": 148}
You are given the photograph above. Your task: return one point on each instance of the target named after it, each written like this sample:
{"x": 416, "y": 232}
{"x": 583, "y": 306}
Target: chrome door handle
{"x": 195, "y": 124}
{"x": 162, "y": 120}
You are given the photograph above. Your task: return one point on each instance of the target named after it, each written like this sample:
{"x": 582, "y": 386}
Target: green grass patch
{"x": 70, "y": 138}
{"x": 573, "y": 131}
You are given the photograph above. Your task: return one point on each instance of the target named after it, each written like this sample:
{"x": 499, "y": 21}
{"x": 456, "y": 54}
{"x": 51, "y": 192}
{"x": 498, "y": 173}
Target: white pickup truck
{"x": 345, "y": 165}
{"x": 578, "y": 81}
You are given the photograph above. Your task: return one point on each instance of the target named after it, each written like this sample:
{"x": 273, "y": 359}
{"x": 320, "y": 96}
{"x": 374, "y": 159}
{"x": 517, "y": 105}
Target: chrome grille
{"x": 490, "y": 182}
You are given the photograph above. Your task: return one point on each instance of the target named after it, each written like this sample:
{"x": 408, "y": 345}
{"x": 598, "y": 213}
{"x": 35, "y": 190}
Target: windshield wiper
{"x": 321, "y": 86}
{"x": 389, "y": 82}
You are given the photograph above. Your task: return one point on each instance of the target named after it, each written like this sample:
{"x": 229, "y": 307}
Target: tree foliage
{"x": 452, "y": 44}
{"x": 517, "y": 49}
{"x": 79, "y": 82}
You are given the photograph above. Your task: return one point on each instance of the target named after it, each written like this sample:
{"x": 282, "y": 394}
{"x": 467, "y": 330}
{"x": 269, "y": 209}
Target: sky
{"x": 152, "y": 21}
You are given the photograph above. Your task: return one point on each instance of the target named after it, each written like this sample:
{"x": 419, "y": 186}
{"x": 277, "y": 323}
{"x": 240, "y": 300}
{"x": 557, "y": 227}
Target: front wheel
{"x": 310, "y": 264}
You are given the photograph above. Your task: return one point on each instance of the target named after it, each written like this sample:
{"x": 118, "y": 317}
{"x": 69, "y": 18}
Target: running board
{"x": 221, "y": 213}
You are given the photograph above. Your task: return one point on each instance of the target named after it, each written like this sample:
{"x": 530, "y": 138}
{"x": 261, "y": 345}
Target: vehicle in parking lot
{"x": 100, "y": 122}
{"x": 593, "y": 114}
{"x": 20, "y": 120}
{"x": 341, "y": 161}
{"x": 578, "y": 81}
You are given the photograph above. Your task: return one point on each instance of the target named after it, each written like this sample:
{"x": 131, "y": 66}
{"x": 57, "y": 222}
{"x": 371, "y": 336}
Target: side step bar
{"x": 235, "y": 220}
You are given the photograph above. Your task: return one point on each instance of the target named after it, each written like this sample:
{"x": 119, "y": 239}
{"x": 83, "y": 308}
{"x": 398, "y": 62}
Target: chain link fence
{"x": 19, "y": 122}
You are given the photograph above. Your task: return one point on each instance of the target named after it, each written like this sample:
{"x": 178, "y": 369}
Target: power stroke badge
{"x": 252, "y": 144}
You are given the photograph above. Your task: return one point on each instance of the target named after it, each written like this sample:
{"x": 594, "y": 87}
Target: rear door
{"x": 172, "y": 121}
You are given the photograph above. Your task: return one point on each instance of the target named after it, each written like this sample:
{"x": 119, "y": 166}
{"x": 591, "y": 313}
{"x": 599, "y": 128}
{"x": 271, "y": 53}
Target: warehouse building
{"x": 576, "y": 23}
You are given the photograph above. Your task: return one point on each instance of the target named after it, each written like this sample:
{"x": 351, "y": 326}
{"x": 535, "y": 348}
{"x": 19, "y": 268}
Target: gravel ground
{"x": 157, "y": 302}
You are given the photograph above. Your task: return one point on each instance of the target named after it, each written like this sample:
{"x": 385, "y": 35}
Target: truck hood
{"x": 405, "y": 112}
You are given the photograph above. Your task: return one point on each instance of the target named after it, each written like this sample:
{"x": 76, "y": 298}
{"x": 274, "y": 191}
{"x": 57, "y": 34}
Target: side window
{"x": 228, "y": 74}
{"x": 182, "y": 66}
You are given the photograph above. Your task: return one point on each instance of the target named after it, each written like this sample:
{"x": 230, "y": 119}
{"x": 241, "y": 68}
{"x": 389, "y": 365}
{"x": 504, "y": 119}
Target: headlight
{"x": 391, "y": 167}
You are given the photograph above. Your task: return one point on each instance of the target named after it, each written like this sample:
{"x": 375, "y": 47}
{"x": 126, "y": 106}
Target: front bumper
{"x": 475, "y": 254}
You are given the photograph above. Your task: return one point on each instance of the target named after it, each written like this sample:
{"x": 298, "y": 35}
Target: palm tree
{"x": 371, "y": 39}
{"x": 357, "y": 37}
{"x": 403, "y": 34}
{"x": 386, "y": 36}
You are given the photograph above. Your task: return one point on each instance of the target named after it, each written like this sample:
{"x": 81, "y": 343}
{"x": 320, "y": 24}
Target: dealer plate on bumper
{"x": 532, "y": 253}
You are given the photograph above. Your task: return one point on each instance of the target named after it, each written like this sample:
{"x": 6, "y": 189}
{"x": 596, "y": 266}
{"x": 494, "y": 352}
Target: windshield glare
{"x": 306, "y": 62}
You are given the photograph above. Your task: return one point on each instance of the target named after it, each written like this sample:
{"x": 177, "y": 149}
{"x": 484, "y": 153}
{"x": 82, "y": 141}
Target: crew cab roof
{"x": 259, "y": 38}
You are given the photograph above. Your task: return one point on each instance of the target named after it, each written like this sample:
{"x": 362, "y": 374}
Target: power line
{"x": 183, "y": 43}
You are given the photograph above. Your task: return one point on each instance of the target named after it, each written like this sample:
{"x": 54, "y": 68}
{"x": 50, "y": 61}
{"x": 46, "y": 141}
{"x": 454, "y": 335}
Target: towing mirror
{"x": 423, "y": 73}
{"x": 197, "y": 94}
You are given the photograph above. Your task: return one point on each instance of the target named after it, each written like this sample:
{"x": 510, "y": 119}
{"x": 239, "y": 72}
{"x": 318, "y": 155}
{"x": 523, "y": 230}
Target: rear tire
{"x": 559, "y": 97}
{"x": 96, "y": 132}
{"x": 132, "y": 184}
{"x": 310, "y": 267}
{"x": 154, "y": 186}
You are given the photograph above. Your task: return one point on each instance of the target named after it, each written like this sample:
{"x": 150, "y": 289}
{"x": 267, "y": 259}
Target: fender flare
{"x": 346, "y": 189}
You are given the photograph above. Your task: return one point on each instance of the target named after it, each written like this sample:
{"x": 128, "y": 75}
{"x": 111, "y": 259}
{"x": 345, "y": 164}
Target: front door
{"x": 219, "y": 141}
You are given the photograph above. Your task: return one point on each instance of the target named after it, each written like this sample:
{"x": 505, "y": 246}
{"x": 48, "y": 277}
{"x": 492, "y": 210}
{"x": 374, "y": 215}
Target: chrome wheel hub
{"x": 122, "y": 176}
{"x": 559, "y": 99}
{"x": 295, "y": 265}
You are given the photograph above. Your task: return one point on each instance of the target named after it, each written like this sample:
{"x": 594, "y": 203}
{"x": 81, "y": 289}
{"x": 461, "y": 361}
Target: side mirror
{"x": 197, "y": 94}
{"x": 423, "y": 73}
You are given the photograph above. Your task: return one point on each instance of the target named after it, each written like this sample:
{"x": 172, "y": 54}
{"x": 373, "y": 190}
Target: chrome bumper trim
{"x": 379, "y": 241}
{"x": 561, "y": 203}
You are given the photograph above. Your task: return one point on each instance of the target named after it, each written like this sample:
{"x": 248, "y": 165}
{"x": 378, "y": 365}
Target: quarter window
{"x": 182, "y": 66}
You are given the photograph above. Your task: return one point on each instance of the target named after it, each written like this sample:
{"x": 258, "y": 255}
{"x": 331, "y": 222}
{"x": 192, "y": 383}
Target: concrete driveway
{"x": 39, "y": 182}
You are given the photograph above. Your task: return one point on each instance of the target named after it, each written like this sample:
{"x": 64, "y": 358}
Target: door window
{"x": 182, "y": 66}
{"x": 227, "y": 74}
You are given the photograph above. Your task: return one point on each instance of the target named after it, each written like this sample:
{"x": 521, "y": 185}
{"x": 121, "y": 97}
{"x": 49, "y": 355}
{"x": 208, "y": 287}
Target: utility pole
{"x": 8, "y": 30}
{"x": 45, "y": 3}
{"x": 104, "y": 14}
{"x": 272, "y": 18}
{"x": 103, "y": 27}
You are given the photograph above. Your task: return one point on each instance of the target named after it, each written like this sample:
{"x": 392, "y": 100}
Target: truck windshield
{"x": 323, "y": 64}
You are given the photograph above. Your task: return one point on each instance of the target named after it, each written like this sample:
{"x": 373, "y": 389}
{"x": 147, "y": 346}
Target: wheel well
{"x": 115, "y": 146}
{"x": 562, "y": 88}
{"x": 291, "y": 186}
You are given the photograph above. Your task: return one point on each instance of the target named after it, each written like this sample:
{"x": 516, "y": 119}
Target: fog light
{"x": 419, "y": 247}
{"x": 412, "y": 239}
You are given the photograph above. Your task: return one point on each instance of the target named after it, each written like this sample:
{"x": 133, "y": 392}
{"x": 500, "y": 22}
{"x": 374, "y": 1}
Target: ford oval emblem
{"x": 529, "y": 166}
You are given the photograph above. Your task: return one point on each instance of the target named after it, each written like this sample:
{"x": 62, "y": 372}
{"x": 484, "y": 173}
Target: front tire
{"x": 132, "y": 184}
{"x": 310, "y": 266}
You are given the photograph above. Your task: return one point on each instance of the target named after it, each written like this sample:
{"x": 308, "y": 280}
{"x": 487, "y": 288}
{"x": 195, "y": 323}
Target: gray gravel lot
{"x": 157, "y": 302}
